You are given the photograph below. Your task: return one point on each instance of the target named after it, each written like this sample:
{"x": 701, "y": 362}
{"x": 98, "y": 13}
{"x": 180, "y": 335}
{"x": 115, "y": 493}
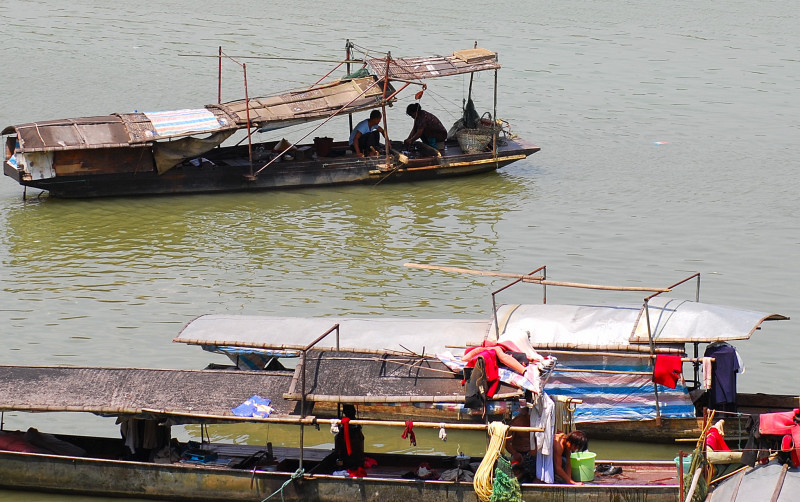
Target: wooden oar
{"x": 535, "y": 279}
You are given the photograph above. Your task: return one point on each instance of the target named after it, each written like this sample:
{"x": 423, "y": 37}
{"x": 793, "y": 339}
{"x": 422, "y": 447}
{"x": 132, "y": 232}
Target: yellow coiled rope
{"x": 485, "y": 473}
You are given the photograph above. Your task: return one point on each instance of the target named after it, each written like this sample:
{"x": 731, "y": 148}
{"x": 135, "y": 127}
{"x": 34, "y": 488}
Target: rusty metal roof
{"x": 71, "y": 134}
{"x": 466, "y": 61}
{"x": 130, "y": 391}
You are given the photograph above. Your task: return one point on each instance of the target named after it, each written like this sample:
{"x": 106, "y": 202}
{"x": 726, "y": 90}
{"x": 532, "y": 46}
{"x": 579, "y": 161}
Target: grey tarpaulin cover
{"x": 671, "y": 321}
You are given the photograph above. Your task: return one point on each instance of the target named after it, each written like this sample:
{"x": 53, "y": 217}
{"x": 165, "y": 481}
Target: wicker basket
{"x": 474, "y": 140}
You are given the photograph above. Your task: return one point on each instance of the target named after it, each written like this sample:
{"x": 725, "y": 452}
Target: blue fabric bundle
{"x": 256, "y": 406}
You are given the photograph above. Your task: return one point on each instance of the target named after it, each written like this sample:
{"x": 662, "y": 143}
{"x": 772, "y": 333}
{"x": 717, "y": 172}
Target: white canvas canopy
{"x": 596, "y": 326}
{"x": 364, "y": 333}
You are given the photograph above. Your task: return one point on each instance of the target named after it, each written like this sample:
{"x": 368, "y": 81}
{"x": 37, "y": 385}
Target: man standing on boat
{"x": 426, "y": 127}
{"x": 364, "y": 139}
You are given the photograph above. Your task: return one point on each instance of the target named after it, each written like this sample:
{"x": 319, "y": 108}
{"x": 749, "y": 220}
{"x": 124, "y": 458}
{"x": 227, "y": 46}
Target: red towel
{"x": 492, "y": 371}
{"x": 781, "y": 422}
{"x": 715, "y": 440}
{"x": 346, "y": 425}
{"x": 409, "y": 433}
{"x": 668, "y": 370}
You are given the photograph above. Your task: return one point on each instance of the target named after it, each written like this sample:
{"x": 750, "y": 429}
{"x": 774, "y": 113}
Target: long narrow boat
{"x": 181, "y": 151}
{"x": 605, "y": 358}
{"x": 158, "y": 399}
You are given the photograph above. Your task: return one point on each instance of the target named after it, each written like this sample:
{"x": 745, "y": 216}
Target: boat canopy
{"x": 460, "y": 62}
{"x": 390, "y": 334}
{"x": 594, "y": 326}
{"x": 125, "y": 130}
{"x": 126, "y": 391}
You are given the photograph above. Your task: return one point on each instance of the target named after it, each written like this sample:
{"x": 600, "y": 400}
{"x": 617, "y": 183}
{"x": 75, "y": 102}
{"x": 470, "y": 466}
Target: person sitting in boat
{"x": 426, "y": 127}
{"x": 349, "y": 441}
{"x": 365, "y": 138}
{"x": 518, "y": 445}
{"x": 563, "y": 446}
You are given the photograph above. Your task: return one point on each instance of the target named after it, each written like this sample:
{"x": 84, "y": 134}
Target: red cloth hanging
{"x": 715, "y": 440}
{"x": 490, "y": 366}
{"x": 408, "y": 432}
{"x": 346, "y": 425}
{"x": 668, "y": 370}
{"x": 781, "y": 422}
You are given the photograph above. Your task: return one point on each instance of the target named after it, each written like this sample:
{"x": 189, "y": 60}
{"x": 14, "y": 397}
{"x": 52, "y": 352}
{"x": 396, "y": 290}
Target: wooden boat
{"x": 605, "y": 355}
{"x": 772, "y": 481}
{"x": 105, "y": 466}
{"x": 172, "y": 152}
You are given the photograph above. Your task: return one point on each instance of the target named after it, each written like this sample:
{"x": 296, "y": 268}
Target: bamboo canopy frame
{"x": 542, "y": 279}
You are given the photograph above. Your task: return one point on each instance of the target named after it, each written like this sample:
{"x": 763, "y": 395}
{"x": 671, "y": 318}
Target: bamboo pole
{"x": 693, "y": 487}
{"x": 726, "y": 476}
{"x": 326, "y": 398}
{"x": 779, "y": 484}
{"x": 612, "y": 372}
{"x": 416, "y": 365}
{"x": 456, "y": 270}
{"x": 539, "y": 348}
{"x": 534, "y": 279}
{"x": 312, "y": 420}
{"x": 614, "y": 354}
{"x": 290, "y": 347}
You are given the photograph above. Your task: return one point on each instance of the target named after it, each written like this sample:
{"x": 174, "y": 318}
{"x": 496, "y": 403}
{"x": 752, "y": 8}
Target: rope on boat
{"x": 297, "y": 474}
{"x": 483, "y": 476}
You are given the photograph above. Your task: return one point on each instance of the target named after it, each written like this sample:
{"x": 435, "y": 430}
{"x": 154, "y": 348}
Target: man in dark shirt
{"x": 426, "y": 127}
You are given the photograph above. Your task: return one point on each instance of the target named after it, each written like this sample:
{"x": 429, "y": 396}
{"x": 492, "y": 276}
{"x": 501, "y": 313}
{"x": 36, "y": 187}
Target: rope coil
{"x": 482, "y": 483}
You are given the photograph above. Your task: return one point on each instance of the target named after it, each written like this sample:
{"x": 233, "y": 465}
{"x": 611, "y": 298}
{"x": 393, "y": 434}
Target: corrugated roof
{"x": 129, "y": 391}
{"x": 466, "y": 61}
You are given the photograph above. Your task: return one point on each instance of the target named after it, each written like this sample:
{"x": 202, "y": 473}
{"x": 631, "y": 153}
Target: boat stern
{"x": 11, "y": 167}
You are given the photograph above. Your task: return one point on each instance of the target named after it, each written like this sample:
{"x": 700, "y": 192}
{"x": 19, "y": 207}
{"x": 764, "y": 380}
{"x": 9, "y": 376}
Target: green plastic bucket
{"x": 687, "y": 464}
{"x": 582, "y": 463}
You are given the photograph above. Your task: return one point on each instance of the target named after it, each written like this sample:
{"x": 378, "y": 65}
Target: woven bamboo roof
{"x": 130, "y": 391}
{"x": 460, "y": 62}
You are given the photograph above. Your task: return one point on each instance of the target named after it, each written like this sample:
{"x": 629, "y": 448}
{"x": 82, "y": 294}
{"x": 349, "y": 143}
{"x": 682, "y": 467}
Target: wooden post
{"x": 347, "y": 46}
{"x": 302, "y": 403}
{"x": 219, "y": 76}
{"x": 383, "y": 108}
{"x": 494, "y": 119}
{"x": 247, "y": 109}
{"x": 652, "y": 354}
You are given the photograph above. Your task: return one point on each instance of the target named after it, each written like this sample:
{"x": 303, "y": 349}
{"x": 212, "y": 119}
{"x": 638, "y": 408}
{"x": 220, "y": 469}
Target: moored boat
{"x": 606, "y": 354}
{"x": 153, "y": 401}
{"x": 182, "y": 151}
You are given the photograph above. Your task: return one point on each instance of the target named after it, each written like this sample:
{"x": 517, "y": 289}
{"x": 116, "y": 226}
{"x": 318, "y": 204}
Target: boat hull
{"x": 234, "y": 174}
{"x": 671, "y": 429}
{"x": 114, "y": 478}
